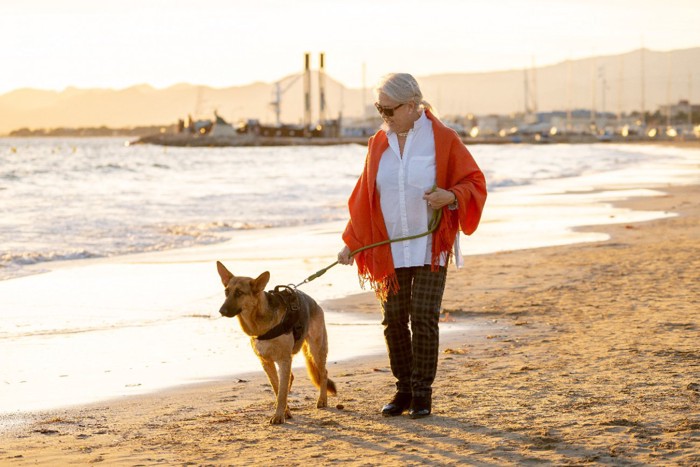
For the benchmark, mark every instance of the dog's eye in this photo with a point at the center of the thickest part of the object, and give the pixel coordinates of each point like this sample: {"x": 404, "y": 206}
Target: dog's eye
{"x": 238, "y": 293}
{"x": 226, "y": 292}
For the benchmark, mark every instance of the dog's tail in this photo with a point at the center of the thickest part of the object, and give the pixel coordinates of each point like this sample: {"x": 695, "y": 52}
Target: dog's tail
{"x": 331, "y": 387}
{"x": 315, "y": 373}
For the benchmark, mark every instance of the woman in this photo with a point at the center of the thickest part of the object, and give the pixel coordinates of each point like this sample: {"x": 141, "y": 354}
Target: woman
{"x": 415, "y": 165}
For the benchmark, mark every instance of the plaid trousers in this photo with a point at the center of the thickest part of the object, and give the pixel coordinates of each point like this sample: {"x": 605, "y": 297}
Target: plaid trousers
{"x": 413, "y": 352}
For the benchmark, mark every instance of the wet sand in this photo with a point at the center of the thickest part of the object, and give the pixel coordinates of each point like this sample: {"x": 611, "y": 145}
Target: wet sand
{"x": 575, "y": 354}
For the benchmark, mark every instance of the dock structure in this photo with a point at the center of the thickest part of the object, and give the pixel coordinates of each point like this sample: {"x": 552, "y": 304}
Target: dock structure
{"x": 185, "y": 140}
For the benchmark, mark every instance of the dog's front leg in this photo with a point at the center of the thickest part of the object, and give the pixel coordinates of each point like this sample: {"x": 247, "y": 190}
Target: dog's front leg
{"x": 271, "y": 372}
{"x": 282, "y": 411}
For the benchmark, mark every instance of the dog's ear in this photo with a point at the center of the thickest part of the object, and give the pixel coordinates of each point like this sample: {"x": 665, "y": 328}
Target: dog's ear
{"x": 224, "y": 273}
{"x": 258, "y": 285}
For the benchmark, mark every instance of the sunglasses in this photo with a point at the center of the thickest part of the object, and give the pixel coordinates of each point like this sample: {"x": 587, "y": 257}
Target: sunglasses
{"x": 386, "y": 111}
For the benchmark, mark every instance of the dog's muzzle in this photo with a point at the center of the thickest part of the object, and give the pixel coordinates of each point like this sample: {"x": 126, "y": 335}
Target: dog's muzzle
{"x": 227, "y": 312}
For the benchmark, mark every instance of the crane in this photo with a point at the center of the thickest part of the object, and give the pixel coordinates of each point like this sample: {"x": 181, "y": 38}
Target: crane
{"x": 279, "y": 90}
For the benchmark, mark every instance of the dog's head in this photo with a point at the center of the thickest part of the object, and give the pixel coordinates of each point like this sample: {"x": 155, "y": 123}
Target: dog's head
{"x": 242, "y": 293}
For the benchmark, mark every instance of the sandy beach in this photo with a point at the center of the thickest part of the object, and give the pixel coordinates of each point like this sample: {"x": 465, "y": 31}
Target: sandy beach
{"x": 575, "y": 354}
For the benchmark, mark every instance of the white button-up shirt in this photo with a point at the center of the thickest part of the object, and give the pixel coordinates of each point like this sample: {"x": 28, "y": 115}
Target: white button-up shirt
{"x": 402, "y": 182}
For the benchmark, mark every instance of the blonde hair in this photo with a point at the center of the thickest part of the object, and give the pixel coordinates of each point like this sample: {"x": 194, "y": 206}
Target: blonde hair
{"x": 403, "y": 88}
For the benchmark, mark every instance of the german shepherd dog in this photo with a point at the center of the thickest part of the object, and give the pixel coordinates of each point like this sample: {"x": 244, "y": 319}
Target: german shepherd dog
{"x": 258, "y": 313}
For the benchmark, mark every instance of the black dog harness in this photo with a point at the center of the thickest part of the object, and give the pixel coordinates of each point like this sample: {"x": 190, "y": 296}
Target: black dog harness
{"x": 291, "y": 322}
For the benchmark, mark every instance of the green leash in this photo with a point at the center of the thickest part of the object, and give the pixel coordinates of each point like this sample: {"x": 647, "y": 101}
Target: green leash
{"x": 432, "y": 226}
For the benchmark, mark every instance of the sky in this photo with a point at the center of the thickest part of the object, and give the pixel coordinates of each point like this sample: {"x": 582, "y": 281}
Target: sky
{"x": 54, "y": 44}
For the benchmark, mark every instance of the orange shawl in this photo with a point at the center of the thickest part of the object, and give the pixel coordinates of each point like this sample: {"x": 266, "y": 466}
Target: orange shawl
{"x": 455, "y": 169}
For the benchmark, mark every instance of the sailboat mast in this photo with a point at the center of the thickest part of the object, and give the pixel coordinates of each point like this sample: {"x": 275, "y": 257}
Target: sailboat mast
{"x": 594, "y": 127}
{"x": 668, "y": 93}
{"x": 569, "y": 96}
{"x": 643, "y": 110}
{"x": 322, "y": 89}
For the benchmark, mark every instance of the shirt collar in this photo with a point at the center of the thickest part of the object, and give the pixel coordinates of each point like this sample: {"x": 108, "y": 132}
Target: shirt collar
{"x": 421, "y": 122}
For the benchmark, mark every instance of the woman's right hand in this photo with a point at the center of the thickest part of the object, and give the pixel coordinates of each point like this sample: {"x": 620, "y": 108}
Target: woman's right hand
{"x": 344, "y": 256}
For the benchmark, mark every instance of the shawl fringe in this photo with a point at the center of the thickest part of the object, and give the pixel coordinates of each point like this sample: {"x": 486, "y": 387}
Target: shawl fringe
{"x": 443, "y": 238}
{"x": 382, "y": 287}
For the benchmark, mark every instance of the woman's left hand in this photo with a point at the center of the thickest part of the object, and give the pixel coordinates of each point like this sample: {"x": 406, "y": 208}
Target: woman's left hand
{"x": 439, "y": 198}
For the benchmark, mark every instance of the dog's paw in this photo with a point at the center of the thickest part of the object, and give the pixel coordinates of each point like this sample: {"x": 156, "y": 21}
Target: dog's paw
{"x": 277, "y": 419}
{"x": 321, "y": 404}
{"x": 287, "y": 413}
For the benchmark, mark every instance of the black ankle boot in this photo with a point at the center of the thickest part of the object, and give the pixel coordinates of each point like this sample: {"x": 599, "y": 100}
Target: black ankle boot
{"x": 420, "y": 407}
{"x": 398, "y": 405}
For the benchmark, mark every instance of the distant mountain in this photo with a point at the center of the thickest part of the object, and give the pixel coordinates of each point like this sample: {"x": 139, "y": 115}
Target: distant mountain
{"x": 611, "y": 82}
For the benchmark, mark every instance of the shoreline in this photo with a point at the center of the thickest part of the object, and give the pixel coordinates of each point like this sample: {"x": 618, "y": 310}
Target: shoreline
{"x": 183, "y": 140}
{"x": 575, "y": 354}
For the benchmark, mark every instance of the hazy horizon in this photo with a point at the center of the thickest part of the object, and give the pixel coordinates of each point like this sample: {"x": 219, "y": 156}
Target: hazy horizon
{"x": 285, "y": 76}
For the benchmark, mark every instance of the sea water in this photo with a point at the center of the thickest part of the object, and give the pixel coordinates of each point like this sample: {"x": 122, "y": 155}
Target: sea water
{"x": 64, "y": 198}
{"x": 107, "y": 249}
